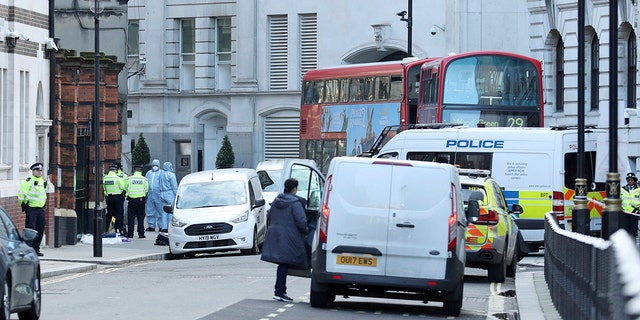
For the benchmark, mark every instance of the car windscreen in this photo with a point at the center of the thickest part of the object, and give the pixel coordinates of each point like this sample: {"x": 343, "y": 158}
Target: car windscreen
{"x": 211, "y": 194}
{"x": 467, "y": 190}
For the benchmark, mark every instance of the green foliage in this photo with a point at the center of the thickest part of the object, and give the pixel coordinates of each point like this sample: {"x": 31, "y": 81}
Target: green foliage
{"x": 140, "y": 154}
{"x": 225, "y": 158}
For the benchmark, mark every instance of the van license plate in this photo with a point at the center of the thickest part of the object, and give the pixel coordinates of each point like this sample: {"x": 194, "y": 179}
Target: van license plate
{"x": 357, "y": 261}
{"x": 209, "y": 237}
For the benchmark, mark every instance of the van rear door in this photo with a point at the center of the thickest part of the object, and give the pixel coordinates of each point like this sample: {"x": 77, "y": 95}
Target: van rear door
{"x": 358, "y": 204}
{"x": 420, "y": 207}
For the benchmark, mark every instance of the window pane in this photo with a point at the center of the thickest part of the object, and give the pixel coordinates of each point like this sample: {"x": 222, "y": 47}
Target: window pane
{"x": 133, "y": 36}
{"x": 224, "y": 34}
{"x": 188, "y": 36}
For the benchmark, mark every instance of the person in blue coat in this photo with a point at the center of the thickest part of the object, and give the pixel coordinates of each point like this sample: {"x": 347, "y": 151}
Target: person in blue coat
{"x": 284, "y": 244}
{"x": 168, "y": 190}
{"x": 153, "y": 206}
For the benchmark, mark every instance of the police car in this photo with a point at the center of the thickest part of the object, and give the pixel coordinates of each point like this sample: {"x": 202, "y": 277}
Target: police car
{"x": 492, "y": 236}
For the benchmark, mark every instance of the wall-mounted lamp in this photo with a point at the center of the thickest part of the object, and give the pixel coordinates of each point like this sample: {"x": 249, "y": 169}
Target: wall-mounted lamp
{"x": 435, "y": 27}
{"x": 12, "y": 38}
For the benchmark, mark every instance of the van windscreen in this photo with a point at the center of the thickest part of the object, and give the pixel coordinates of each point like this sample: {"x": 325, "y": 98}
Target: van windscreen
{"x": 211, "y": 194}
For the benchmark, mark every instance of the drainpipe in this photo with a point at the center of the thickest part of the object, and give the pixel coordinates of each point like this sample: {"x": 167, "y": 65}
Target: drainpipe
{"x": 53, "y": 162}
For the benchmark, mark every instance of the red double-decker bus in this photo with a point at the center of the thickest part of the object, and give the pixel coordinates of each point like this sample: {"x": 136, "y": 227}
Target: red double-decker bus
{"x": 490, "y": 88}
{"x": 345, "y": 108}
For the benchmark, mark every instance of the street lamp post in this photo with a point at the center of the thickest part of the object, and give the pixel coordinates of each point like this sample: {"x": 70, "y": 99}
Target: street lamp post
{"x": 612, "y": 215}
{"x": 97, "y": 212}
{"x": 409, "y": 21}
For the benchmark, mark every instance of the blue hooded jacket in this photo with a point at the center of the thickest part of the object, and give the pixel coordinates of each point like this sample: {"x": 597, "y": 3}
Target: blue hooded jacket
{"x": 168, "y": 184}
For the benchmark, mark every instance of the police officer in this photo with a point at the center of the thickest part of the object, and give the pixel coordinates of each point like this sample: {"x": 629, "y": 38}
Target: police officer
{"x": 123, "y": 176}
{"x": 114, "y": 187}
{"x": 32, "y": 197}
{"x": 137, "y": 187}
{"x": 630, "y": 196}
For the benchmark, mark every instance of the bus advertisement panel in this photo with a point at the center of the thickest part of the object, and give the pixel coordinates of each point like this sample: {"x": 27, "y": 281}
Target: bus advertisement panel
{"x": 362, "y": 123}
{"x": 344, "y": 108}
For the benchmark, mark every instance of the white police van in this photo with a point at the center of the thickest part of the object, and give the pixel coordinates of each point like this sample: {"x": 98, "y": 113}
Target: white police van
{"x": 390, "y": 229}
{"x": 537, "y": 167}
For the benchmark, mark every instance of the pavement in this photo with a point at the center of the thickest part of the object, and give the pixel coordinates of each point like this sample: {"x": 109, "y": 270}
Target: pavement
{"x": 534, "y": 300}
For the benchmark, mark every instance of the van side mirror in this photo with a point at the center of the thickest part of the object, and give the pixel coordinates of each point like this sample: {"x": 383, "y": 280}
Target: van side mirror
{"x": 516, "y": 209}
{"x": 473, "y": 207}
{"x": 259, "y": 203}
{"x": 168, "y": 208}
{"x": 473, "y": 210}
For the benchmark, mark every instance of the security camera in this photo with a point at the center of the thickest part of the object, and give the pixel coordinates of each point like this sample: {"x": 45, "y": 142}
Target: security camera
{"x": 51, "y": 44}
{"x": 402, "y": 13}
{"x": 434, "y": 29}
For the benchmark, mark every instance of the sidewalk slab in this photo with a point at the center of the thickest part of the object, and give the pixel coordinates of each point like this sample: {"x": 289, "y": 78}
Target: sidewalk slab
{"x": 80, "y": 257}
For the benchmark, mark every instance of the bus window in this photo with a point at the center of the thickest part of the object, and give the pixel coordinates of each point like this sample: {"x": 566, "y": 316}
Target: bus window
{"x": 396, "y": 88}
{"x": 318, "y": 93}
{"x": 413, "y": 83}
{"x": 382, "y": 88}
{"x": 356, "y": 87}
{"x": 369, "y": 88}
{"x": 307, "y": 90}
{"x": 331, "y": 91}
{"x": 344, "y": 90}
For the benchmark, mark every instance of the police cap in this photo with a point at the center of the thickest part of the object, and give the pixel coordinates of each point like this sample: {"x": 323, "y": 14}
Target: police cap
{"x": 113, "y": 166}
{"x": 632, "y": 175}
{"x": 137, "y": 168}
{"x": 37, "y": 166}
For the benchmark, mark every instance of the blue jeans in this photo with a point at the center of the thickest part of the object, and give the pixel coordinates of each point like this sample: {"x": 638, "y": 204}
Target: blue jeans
{"x": 281, "y": 279}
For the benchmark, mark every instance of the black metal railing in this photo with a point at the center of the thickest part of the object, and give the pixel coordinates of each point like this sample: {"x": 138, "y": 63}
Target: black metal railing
{"x": 592, "y": 278}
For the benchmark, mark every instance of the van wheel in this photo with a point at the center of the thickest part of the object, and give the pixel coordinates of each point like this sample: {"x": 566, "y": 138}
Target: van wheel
{"x": 453, "y": 303}
{"x": 497, "y": 272}
{"x": 255, "y": 249}
{"x": 320, "y": 296}
{"x": 174, "y": 256}
{"x": 513, "y": 266}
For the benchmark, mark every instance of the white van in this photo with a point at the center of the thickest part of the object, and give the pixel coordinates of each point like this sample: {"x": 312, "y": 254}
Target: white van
{"x": 273, "y": 173}
{"x": 218, "y": 210}
{"x": 537, "y": 167}
{"x": 390, "y": 229}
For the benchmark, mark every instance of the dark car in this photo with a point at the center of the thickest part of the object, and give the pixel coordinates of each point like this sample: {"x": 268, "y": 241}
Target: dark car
{"x": 20, "y": 271}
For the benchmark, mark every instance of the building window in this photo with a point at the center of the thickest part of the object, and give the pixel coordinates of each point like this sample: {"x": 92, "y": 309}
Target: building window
{"x": 559, "y": 75}
{"x": 223, "y": 53}
{"x": 187, "y": 55}
{"x": 278, "y": 52}
{"x": 133, "y": 58}
{"x": 24, "y": 116}
{"x": 5, "y": 123}
{"x": 308, "y": 43}
{"x": 632, "y": 69}
{"x": 595, "y": 73}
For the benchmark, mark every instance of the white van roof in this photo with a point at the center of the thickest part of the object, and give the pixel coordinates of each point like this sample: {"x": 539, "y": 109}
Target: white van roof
{"x": 525, "y": 138}
{"x": 219, "y": 174}
{"x": 279, "y": 163}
